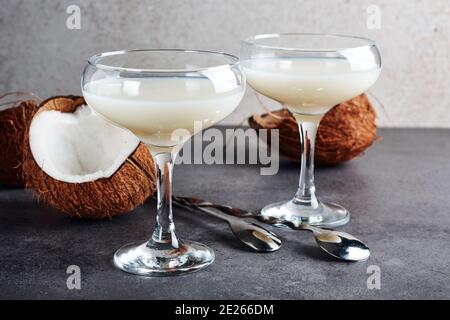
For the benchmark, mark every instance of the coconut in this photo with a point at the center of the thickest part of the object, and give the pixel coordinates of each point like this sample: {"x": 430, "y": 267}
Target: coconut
{"x": 344, "y": 133}
{"x": 15, "y": 117}
{"x": 80, "y": 164}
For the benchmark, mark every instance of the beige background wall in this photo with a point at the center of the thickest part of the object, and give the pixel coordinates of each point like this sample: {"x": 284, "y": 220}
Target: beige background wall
{"x": 38, "y": 53}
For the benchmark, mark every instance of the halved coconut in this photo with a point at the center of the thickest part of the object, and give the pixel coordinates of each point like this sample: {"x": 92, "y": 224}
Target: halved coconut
{"x": 15, "y": 117}
{"x": 344, "y": 132}
{"x": 83, "y": 165}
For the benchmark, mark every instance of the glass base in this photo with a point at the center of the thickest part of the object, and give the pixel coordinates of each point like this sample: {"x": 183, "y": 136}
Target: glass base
{"x": 326, "y": 214}
{"x": 158, "y": 259}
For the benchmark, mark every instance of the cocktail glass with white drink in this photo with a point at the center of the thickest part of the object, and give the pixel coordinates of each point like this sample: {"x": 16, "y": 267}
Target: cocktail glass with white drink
{"x": 163, "y": 96}
{"x": 309, "y": 74}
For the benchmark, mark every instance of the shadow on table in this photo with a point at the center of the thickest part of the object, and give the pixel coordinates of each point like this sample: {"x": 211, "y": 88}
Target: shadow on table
{"x": 314, "y": 252}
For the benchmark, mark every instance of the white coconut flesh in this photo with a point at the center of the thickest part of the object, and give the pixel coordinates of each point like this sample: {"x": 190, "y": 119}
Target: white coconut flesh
{"x": 80, "y": 146}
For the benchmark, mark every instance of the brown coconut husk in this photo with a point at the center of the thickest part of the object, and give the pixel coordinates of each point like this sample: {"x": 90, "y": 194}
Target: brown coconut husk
{"x": 344, "y": 132}
{"x": 15, "y": 119}
{"x": 128, "y": 188}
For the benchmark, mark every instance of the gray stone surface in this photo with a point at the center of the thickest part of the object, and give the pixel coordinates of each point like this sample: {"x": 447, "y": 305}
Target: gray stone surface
{"x": 398, "y": 193}
{"x": 38, "y": 53}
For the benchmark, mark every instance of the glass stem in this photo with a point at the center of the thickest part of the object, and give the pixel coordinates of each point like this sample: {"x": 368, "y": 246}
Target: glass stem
{"x": 306, "y": 193}
{"x": 164, "y": 232}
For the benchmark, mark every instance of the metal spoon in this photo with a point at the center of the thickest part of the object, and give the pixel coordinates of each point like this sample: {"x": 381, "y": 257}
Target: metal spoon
{"x": 251, "y": 234}
{"x": 339, "y": 244}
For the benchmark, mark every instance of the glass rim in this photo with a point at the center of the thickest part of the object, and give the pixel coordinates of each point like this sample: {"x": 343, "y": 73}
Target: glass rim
{"x": 253, "y": 40}
{"x": 95, "y": 59}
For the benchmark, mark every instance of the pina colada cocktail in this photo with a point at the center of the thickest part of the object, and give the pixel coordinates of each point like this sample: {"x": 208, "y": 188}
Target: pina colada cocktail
{"x": 154, "y": 108}
{"x": 309, "y": 74}
{"x": 160, "y": 95}
{"x": 309, "y": 86}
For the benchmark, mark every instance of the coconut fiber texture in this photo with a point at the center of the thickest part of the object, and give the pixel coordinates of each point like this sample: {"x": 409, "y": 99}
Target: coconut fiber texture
{"x": 345, "y": 131}
{"x": 14, "y": 122}
{"x": 126, "y": 189}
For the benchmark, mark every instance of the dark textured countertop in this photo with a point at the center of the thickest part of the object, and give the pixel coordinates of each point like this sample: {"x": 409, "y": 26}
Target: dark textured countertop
{"x": 398, "y": 194}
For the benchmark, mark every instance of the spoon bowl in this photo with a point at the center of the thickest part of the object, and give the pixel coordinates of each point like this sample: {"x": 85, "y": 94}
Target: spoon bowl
{"x": 255, "y": 237}
{"x": 249, "y": 233}
{"x": 340, "y": 245}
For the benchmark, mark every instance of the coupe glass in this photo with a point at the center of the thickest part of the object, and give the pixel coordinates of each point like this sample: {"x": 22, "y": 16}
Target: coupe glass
{"x": 164, "y": 96}
{"x": 309, "y": 74}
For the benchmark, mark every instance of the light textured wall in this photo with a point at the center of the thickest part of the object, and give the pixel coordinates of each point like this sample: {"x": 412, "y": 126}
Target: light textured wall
{"x": 38, "y": 53}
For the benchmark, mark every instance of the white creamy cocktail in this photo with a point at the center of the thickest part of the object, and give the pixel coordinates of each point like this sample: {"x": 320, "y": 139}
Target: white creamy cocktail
{"x": 309, "y": 74}
{"x": 308, "y": 85}
{"x": 154, "y": 108}
{"x": 155, "y": 94}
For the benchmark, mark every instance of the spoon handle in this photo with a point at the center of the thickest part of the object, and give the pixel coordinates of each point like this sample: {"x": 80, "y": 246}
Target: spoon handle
{"x": 330, "y": 232}
{"x": 239, "y": 213}
{"x": 207, "y": 209}
{"x": 219, "y": 211}
{"x": 252, "y": 235}
{"x": 197, "y": 203}
{"x": 231, "y": 211}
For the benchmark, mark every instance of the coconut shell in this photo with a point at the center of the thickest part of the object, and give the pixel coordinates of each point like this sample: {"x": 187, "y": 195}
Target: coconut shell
{"x": 14, "y": 123}
{"x": 128, "y": 188}
{"x": 344, "y": 133}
